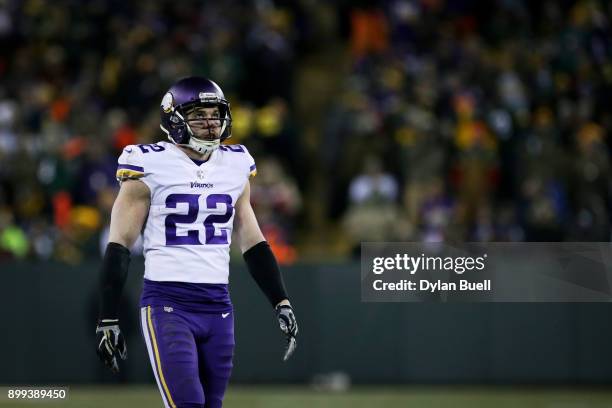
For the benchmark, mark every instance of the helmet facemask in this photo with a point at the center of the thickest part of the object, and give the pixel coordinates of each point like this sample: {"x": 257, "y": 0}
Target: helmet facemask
{"x": 205, "y": 124}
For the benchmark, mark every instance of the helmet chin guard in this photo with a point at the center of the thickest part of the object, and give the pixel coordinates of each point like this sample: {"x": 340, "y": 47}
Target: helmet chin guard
{"x": 202, "y": 146}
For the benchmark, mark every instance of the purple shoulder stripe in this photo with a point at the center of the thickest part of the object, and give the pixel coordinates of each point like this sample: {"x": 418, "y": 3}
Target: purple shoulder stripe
{"x": 130, "y": 167}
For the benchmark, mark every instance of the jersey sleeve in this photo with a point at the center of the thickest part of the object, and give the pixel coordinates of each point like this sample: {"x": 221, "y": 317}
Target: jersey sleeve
{"x": 130, "y": 164}
{"x": 252, "y": 168}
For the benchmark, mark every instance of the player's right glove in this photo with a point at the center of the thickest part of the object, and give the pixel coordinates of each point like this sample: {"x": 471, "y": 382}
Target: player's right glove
{"x": 111, "y": 343}
{"x": 288, "y": 325}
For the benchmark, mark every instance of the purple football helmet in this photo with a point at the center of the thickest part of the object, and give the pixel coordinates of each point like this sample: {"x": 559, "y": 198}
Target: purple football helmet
{"x": 181, "y": 98}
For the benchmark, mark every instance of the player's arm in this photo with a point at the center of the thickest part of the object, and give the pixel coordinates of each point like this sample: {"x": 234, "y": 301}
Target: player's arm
{"x": 257, "y": 253}
{"x": 127, "y": 218}
{"x": 263, "y": 267}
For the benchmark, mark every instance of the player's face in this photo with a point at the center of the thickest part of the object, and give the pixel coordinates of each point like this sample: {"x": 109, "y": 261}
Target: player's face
{"x": 205, "y": 123}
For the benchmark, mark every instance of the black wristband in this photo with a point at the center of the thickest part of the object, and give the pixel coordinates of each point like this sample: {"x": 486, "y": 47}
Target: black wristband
{"x": 264, "y": 269}
{"x": 112, "y": 278}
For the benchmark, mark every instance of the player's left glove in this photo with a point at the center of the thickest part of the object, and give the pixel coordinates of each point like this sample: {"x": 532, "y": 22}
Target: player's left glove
{"x": 111, "y": 343}
{"x": 288, "y": 325}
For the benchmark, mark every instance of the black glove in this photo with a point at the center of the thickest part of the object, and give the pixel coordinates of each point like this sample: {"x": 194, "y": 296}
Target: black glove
{"x": 111, "y": 343}
{"x": 288, "y": 325}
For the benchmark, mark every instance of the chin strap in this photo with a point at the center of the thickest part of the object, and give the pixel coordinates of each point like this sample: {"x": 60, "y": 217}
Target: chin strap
{"x": 203, "y": 146}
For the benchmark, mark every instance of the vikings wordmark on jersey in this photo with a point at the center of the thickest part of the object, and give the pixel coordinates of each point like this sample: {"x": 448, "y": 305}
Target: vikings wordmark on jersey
{"x": 189, "y": 228}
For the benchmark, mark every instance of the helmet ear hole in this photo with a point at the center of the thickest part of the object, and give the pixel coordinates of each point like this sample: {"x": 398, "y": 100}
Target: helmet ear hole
{"x": 174, "y": 119}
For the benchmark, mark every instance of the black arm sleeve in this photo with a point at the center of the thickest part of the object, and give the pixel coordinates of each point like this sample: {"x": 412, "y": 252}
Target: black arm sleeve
{"x": 263, "y": 267}
{"x": 112, "y": 278}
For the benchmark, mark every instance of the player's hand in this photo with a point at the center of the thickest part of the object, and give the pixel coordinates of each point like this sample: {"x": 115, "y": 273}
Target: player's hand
{"x": 111, "y": 343}
{"x": 288, "y": 325}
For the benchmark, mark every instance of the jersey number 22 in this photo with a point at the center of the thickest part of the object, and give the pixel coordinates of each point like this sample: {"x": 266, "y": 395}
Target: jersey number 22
{"x": 193, "y": 236}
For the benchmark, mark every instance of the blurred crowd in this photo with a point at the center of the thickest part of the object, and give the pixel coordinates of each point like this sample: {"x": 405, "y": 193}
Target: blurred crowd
{"x": 456, "y": 120}
{"x": 81, "y": 80}
{"x": 475, "y": 121}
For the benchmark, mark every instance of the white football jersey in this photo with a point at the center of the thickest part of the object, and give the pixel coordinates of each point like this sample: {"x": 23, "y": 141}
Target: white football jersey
{"x": 188, "y": 231}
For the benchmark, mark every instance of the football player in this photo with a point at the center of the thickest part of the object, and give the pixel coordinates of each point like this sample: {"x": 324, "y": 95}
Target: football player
{"x": 186, "y": 196}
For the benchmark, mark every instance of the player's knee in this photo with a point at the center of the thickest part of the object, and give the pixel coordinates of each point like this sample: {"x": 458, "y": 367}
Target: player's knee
{"x": 213, "y": 402}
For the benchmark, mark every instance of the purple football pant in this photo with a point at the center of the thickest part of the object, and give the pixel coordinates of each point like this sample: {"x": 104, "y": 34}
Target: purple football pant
{"x": 191, "y": 354}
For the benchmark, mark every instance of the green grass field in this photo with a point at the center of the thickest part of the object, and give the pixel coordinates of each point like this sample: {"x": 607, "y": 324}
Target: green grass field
{"x": 359, "y": 397}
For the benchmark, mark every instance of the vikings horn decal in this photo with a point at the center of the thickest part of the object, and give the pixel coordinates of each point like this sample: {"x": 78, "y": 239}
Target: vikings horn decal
{"x": 167, "y": 102}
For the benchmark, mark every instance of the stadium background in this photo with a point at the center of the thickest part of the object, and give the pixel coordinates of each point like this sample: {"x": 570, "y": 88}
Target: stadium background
{"x": 394, "y": 120}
